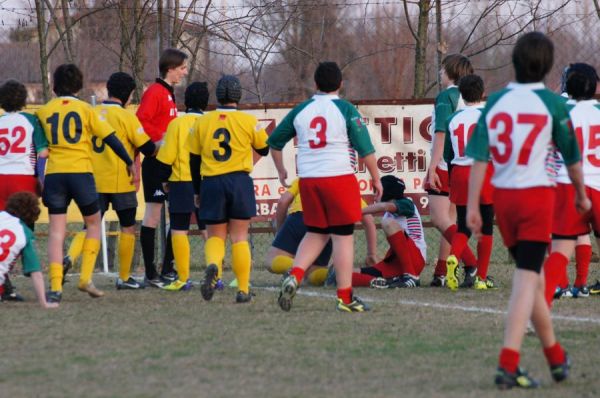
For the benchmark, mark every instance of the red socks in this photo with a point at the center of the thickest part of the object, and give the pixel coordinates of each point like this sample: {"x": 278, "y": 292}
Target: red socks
{"x": 554, "y": 267}
{"x": 509, "y": 360}
{"x": 345, "y": 294}
{"x": 399, "y": 245}
{"x": 361, "y": 280}
{"x": 298, "y": 273}
{"x": 467, "y": 255}
{"x": 583, "y": 256}
{"x": 440, "y": 268}
{"x": 459, "y": 242}
{"x": 555, "y": 355}
{"x": 484, "y": 253}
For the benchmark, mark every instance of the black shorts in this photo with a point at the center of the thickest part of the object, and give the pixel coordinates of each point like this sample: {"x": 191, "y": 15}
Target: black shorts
{"x": 291, "y": 233}
{"x": 61, "y": 188}
{"x": 227, "y": 196}
{"x": 181, "y": 197}
{"x": 119, "y": 201}
{"x": 153, "y": 190}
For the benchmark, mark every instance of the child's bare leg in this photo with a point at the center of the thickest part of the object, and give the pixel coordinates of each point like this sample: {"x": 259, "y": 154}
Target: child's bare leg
{"x": 343, "y": 259}
{"x": 525, "y": 286}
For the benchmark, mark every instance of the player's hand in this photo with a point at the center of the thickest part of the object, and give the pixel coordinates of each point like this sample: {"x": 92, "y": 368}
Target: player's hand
{"x": 132, "y": 172}
{"x": 378, "y": 190}
{"x": 165, "y": 186}
{"x": 434, "y": 179}
{"x": 197, "y": 200}
{"x": 282, "y": 177}
{"x": 371, "y": 260}
{"x": 583, "y": 205}
{"x": 474, "y": 222}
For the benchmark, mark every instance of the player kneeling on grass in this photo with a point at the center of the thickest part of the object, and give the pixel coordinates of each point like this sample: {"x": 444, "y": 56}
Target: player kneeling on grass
{"x": 459, "y": 128}
{"x": 220, "y": 145}
{"x": 517, "y": 127}
{"x": 174, "y": 160}
{"x": 290, "y": 231}
{"x": 326, "y": 127}
{"x": 568, "y": 225}
{"x": 403, "y": 229}
{"x": 69, "y": 125}
{"x": 22, "y": 209}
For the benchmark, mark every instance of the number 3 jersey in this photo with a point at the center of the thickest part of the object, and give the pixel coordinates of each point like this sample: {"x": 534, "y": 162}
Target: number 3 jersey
{"x": 224, "y": 138}
{"x": 518, "y": 127}
{"x": 16, "y": 239}
{"x": 69, "y": 125}
{"x": 21, "y": 137}
{"x": 326, "y": 127}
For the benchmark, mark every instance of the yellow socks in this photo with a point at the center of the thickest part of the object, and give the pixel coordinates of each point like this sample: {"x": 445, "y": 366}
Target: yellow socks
{"x": 55, "y": 271}
{"x": 318, "y": 276}
{"x": 181, "y": 252}
{"x": 281, "y": 264}
{"x": 214, "y": 252}
{"x": 76, "y": 246}
{"x": 241, "y": 264}
{"x": 88, "y": 260}
{"x": 126, "y": 249}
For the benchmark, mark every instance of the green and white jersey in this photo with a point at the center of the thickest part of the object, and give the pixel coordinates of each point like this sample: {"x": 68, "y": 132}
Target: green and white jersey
{"x": 518, "y": 127}
{"x": 408, "y": 218}
{"x": 327, "y": 129}
{"x": 459, "y": 129}
{"x": 16, "y": 239}
{"x": 447, "y": 102}
{"x": 21, "y": 137}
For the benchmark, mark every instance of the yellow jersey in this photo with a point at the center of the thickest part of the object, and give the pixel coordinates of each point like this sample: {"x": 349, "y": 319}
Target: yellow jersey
{"x": 224, "y": 139}
{"x": 110, "y": 172}
{"x": 69, "y": 124}
{"x": 296, "y": 204}
{"x": 174, "y": 150}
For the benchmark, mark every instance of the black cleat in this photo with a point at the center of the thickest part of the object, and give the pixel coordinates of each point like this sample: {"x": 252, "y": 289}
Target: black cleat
{"x": 505, "y": 380}
{"x": 438, "y": 281}
{"x": 470, "y": 275}
{"x": 67, "y": 265}
{"x": 53, "y": 296}
{"x": 12, "y": 296}
{"x": 169, "y": 277}
{"x": 595, "y": 288}
{"x": 561, "y": 372}
{"x": 404, "y": 281}
{"x": 129, "y": 284}
{"x": 207, "y": 288}
{"x": 242, "y": 297}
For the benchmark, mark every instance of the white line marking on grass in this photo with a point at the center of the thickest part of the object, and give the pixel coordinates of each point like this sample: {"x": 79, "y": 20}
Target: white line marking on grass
{"x": 439, "y": 306}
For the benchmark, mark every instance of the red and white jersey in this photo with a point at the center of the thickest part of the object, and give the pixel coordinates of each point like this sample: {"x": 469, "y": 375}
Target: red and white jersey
{"x": 17, "y": 153}
{"x": 413, "y": 228}
{"x": 460, "y": 128}
{"x": 585, "y": 116}
{"x": 12, "y": 241}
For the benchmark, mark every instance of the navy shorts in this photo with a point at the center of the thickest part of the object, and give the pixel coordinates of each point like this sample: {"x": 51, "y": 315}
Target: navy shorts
{"x": 61, "y": 188}
{"x": 181, "y": 197}
{"x": 291, "y": 233}
{"x": 119, "y": 201}
{"x": 153, "y": 190}
{"x": 227, "y": 196}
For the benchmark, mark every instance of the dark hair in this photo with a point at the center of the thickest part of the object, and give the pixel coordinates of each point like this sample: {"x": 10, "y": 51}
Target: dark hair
{"x": 196, "y": 96}
{"x": 68, "y": 80}
{"x": 13, "y": 96}
{"x": 170, "y": 58}
{"x": 532, "y": 57}
{"x": 120, "y": 85}
{"x": 25, "y": 206}
{"x": 328, "y": 77}
{"x": 581, "y": 81}
{"x": 457, "y": 66}
{"x": 471, "y": 88}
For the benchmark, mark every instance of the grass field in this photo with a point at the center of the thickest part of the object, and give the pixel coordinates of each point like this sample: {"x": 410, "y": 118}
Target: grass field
{"x": 423, "y": 342}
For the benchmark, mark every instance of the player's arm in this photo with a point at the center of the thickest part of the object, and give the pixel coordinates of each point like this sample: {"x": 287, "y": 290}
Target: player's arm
{"x": 478, "y": 148}
{"x": 167, "y": 154}
{"x": 32, "y": 268}
{"x": 259, "y": 141}
{"x": 443, "y": 110}
{"x": 378, "y": 208}
{"x": 283, "y": 204}
{"x": 368, "y": 223}
{"x": 448, "y": 150}
{"x": 281, "y": 171}
{"x": 284, "y": 132}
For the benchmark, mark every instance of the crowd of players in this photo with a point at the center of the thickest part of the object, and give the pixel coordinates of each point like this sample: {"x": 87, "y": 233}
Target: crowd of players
{"x": 525, "y": 154}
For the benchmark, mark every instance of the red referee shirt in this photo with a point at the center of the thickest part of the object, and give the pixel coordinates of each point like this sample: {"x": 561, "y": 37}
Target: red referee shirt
{"x": 157, "y": 109}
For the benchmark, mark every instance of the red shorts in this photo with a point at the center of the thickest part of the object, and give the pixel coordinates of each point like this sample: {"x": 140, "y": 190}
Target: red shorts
{"x": 391, "y": 265}
{"x": 444, "y": 189}
{"x": 11, "y": 183}
{"x": 330, "y": 201}
{"x": 524, "y": 214}
{"x": 567, "y": 221}
{"x": 459, "y": 185}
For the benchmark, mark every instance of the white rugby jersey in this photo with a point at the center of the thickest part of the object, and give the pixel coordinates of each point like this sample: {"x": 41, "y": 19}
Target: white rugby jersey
{"x": 327, "y": 127}
{"x": 459, "y": 129}
{"x": 447, "y": 102}
{"x": 517, "y": 127}
{"x": 413, "y": 227}
{"x": 12, "y": 241}
{"x": 17, "y": 145}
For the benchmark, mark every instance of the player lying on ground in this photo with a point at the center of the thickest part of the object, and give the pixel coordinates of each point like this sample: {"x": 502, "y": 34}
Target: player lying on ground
{"x": 290, "y": 231}
{"x": 517, "y": 127}
{"x": 459, "y": 128}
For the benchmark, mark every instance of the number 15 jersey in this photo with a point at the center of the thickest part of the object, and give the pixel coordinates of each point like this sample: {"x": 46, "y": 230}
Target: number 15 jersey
{"x": 69, "y": 124}
{"x": 517, "y": 127}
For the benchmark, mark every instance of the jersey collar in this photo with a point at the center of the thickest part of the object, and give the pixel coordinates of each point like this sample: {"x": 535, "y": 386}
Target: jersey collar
{"x": 530, "y": 86}
{"x": 226, "y": 108}
{"x": 107, "y": 102}
{"x": 320, "y": 94}
{"x": 588, "y": 102}
{"x": 167, "y": 86}
{"x": 191, "y": 110}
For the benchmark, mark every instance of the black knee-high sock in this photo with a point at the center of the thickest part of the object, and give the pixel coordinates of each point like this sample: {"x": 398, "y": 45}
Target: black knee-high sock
{"x": 168, "y": 258}
{"x": 147, "y": 235}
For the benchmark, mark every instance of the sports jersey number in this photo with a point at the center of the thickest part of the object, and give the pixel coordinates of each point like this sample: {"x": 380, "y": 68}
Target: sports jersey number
{"x": 321, "y": 123}
{"x": 98, "y": 148}
{"x": 593, "y": 143}
{"x": 66, "y": 127}
{"x": 7, "y": 239}
{"x": 224, "y": 137}
{"x": 537, "y": 121}
{"x": 15, "y": 147}
{"x": 460, "y": 135}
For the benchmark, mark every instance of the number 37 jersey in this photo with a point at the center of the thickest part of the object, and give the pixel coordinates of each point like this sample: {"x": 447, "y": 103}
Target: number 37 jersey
{"x": 518, "y": 127}
{"x": 69, "y": 125}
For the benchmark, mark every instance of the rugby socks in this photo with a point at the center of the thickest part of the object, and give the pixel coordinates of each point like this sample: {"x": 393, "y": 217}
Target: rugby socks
{"x": 181, "y": 251}
{"x": 147, "y": 236}
{"x": 318, "y": 276}
{"x": 126, "y": 249}
{"x": 345, "y": 294}
{"x": 440, "y": 268}
{"x": 76, "y": 246}
{"x": 298, "y": 273}
{"x": 459, "y": 242}
{"x": 281, "y": 264}
{"x": 168, "y": 256}
{"x": 466, "y": 256}
{"x": 509, "y": 360}
{"x": 484, "y": 253}
{"x": 241, "y": 263}
{"x": 583, "y": 257}
{"x": 399, "y": 245}
{"x": 554, "y": 267}
{"x": 214, "y": 252}
{"x": 88, "y": 260}
{"x": 555, "y": 355}
{"x": 362, "y": 280}
{"x": 55, "y": 272}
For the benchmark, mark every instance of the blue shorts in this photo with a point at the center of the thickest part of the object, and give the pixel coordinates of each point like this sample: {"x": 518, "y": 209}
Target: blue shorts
{"x": 61, "y": 188}
{"x": 227, "y": 196}
{"x": 291, "y": 233}
{"x": 119, "y": 201}
{"x": 181, "y": 197}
